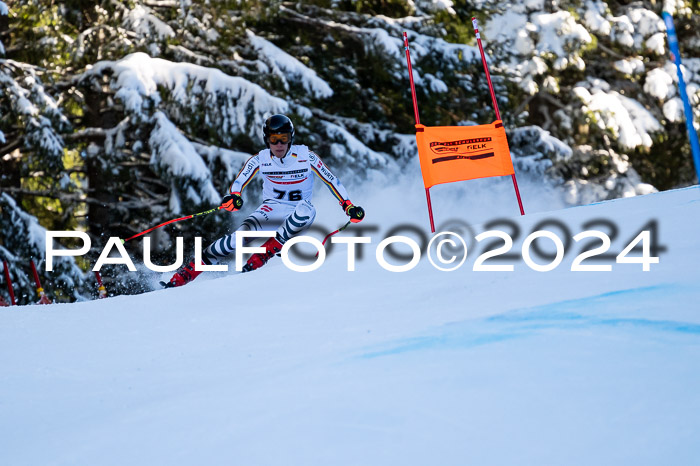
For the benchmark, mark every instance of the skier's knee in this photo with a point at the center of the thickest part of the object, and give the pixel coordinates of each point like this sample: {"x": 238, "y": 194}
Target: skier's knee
{"x": 305, "y": 210}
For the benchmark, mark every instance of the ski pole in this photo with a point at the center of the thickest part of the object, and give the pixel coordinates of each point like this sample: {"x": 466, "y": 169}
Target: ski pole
{"x": 102, "y": 292}
{"x": 172, "y": 221}
{"x": 9, "y": 282}
{"x": 43, "y": 299}
{"x": 331, "y": 234}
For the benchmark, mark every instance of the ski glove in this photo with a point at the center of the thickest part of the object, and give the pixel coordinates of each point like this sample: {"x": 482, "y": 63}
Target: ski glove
{"x": 232, "y": 202}
{"x": 356, "y": 213}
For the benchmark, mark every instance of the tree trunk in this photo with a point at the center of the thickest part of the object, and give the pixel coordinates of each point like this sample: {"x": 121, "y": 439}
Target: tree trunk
{"x": 98, "y": 180}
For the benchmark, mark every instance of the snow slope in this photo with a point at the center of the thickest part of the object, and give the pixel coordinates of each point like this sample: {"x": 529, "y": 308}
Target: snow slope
{"x": 373, "y": 367}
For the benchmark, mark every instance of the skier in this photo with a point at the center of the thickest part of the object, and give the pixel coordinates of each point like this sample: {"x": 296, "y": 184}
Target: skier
{"x": 288, "y": 173}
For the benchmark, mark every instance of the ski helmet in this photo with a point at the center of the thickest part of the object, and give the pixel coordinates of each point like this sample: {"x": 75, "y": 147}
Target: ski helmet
{"x": 277, "y": 124}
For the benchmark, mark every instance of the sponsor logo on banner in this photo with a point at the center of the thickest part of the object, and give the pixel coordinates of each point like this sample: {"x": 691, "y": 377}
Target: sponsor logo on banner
{"x": 462, "y": 149}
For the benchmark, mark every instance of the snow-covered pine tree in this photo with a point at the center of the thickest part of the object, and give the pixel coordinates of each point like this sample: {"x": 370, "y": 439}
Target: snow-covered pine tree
{"x": 596, "y": 75}
{"x": 22, "y": 240}
{"x": 3, "y": 24}
{"x": 33, "y": 172}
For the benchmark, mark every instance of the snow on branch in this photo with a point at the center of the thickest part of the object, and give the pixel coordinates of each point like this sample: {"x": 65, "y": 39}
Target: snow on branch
{"x": 36, "y": 109}
{"x": 386, "y": 40}
{"x": 638, "y": 28}
{"x": 174, "y": 158}
{"x": 630, "y": 123}
{"x": 558, "y": 35}
{"x": 32, "y": 233}
{"x": 215, "y": 156}
{"x": 22, "y": 238}
{"x": 284, "y": 65}
{"x": 524, "y": 39}
{"x": 4, "y": 11}
{"x": 232, "y": 105}
{"x": 432, "y": 6}
{"x": 452, "y": 55}
{"x": 352, "y": 151}
{"x": 142, "y": 21}
{"x": 662, "y": 84}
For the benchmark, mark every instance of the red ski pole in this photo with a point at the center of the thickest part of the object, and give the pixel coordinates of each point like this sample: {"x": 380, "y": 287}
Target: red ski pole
{"x": 9, "y": 282}
{"x": 187, "y": 217}
{"x": 331, "y": 234}
{"x": 43, "y": 299}
{"x": 102, "y": 292}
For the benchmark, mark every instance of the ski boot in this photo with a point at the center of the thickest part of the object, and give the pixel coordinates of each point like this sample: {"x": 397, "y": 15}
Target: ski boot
{"x": 183, "y": 276}
{"x": 272, "y": 247}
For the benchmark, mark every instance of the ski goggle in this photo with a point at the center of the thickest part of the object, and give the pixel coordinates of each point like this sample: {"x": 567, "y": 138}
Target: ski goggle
{"x": 284, "y": 138}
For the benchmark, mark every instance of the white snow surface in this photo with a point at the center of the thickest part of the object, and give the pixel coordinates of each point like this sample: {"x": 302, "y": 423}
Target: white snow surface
{"x": 373, "y": 367}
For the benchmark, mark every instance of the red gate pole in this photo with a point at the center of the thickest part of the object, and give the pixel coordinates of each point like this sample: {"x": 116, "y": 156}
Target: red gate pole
{"x": 102, "y": 292}
{"x": 9, "y": 282}
{"x": 415, "y": 111}
{"x": 495, "y": 104}
{"x": 43, "y": 299}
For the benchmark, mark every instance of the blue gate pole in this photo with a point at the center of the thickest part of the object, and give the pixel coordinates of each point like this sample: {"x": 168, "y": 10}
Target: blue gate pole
{"x": 676, "y": 56}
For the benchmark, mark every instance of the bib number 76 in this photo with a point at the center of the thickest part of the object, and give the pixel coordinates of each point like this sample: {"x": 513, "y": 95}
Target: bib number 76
{"x": 291, "y": 195}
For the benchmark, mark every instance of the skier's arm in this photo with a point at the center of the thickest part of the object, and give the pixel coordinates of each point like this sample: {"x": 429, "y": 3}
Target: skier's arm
{"x": 233, "y": 200}
{"x": 247, "y": 172}
{"x": 356, "y": 213}
{"x": 329, "y": 179}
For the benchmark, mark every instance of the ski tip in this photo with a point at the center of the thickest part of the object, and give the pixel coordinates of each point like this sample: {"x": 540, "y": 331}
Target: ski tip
{"x": 166, "y": 285}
